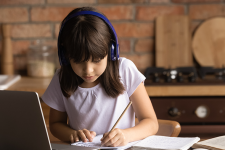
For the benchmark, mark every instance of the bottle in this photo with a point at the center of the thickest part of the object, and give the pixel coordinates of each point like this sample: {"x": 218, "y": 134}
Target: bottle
{"x": 40, "y": 60}
{"x": 7, "y": 55}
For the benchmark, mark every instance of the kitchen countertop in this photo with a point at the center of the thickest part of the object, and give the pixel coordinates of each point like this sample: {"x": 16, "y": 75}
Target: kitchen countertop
{"x": 39, "y": 85}
{"x": 183, "y": 90}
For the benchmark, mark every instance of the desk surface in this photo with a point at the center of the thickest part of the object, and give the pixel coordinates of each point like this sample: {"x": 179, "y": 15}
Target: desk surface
{"x": 59, "y": 142}
{"x": 39, "y": 85}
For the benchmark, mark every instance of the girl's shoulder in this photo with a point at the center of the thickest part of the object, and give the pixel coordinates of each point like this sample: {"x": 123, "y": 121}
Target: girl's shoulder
{"x": 124, "y": 61}
{"x": 125, "y": 64}
{"x": 127, "y": 68}
{"x": 130, "y": 76}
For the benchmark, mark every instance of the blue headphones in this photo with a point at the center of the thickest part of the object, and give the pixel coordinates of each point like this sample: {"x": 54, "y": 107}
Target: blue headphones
{"x": 114, "y": 48}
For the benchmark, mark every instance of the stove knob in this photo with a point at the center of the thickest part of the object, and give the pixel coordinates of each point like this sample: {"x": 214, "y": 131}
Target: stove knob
{"x": 191, "y": 77}
{"x": 173, "y": 112}
{"x": 156, "y": 77}
{"x": 168, "y": 77}
{"x": 180, "y": 77}
{"x": 202, "y": 111}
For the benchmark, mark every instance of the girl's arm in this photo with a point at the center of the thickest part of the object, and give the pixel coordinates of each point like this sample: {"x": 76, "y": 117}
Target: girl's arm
{"x": 60, "y": 129}
{"x": 148, "y": 124}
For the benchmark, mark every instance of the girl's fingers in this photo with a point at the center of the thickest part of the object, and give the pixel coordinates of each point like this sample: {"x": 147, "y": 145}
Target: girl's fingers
{"x": 113, "y": 142}
{"x": 104, "y": 135}
{"x": 93, "y": 134}
{"x": 109, "y": 138}
{"x": 82, "y": 135}
{"x": 74, "y": 137}
{"x": 116, "y": 143}
{"x": 88, "y": 135}
{"x": 71, "y": 138}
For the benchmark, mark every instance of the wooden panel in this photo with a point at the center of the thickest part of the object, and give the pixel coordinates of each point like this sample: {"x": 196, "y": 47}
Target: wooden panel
{"x": 209, "y": 43}
{"x": 173, "y": 42}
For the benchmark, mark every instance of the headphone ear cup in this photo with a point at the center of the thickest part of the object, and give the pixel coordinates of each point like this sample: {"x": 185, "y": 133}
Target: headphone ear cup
{"x": 112, "y": 49}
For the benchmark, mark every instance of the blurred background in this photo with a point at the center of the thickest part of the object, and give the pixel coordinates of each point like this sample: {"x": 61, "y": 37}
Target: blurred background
{"x": 179, "y": 45}
{"x": 133, "y": 20}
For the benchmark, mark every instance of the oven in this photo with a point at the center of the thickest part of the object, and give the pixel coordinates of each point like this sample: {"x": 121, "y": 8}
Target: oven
{"x": 195, "y": 99}
{"x": 198, "y": 115}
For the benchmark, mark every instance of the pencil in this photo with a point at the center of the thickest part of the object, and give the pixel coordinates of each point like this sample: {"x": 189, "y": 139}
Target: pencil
{"x": 119, "y": 118}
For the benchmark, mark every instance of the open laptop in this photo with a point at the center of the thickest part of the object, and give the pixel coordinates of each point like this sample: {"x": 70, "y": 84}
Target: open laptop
{"x": 22, "y": 124}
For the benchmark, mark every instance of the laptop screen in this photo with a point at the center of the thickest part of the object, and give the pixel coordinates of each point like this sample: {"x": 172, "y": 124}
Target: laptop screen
{"x": 22, "y": 123}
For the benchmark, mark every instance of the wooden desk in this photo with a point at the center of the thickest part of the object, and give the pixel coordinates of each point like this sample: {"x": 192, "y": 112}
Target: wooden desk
{"x": 38, "y": 85}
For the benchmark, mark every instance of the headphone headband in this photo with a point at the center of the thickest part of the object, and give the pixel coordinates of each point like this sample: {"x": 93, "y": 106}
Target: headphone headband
{"x": 62, "y": 58}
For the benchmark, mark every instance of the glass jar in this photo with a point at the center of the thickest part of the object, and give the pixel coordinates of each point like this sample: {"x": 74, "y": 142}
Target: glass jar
{"x": 40, "y": 61}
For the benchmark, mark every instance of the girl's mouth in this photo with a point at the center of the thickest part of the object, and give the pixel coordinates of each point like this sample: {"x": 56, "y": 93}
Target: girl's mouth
{"x": 88, "y": 77}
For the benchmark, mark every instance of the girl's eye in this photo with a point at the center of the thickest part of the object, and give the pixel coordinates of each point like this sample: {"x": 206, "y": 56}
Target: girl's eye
{"x": 97, "y": 61}
{"x": 76, "y": 62}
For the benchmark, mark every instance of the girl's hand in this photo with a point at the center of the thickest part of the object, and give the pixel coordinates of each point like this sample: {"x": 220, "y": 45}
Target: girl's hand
{"x": 83, "y": 135}
{"x": 116, "y": 138}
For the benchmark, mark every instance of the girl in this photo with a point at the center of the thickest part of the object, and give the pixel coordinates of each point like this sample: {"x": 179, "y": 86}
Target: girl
{"x": 93, "y": 85}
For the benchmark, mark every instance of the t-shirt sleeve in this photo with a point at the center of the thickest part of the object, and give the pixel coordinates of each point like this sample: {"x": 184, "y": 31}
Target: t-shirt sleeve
{"x": 130, "y": 75}
{"x": 53, "y": 96}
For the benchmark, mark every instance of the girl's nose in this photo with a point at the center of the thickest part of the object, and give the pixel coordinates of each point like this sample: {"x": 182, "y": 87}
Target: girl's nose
{"x": 88, "y": 68}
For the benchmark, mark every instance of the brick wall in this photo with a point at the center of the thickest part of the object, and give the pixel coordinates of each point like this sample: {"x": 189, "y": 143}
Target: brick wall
{"x": 133, "y": 21}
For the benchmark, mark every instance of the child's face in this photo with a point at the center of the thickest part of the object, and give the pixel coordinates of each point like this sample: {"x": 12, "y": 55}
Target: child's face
{"x": 89, "y": 71}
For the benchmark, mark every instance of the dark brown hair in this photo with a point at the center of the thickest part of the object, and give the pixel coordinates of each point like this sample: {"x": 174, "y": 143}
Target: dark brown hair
{"x": 88, "y": 36}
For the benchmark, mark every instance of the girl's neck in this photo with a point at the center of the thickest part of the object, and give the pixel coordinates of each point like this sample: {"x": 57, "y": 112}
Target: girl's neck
{"x": 89, "y": 85}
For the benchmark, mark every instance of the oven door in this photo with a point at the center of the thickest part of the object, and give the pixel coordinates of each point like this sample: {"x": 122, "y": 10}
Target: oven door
{"x": 202, "y": 116}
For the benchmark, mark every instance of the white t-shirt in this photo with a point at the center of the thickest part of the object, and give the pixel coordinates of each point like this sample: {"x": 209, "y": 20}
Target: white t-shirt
{"x": 92, "y": 108}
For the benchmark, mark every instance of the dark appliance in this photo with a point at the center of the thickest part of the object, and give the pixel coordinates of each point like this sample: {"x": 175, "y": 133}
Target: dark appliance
{"x": 202, "y": 116}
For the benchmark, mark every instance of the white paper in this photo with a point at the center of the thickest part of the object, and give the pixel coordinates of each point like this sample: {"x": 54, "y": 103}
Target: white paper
{"x": 166, "y": 143}
{"x": 218, "y": 142}
{"x": 96, "y": 143}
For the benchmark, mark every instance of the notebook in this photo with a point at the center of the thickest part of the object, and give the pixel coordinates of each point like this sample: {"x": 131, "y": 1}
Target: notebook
{"x": 96, "y": 144}
{"x": 157, "y": 142}
{"x": 217, "y": 143}
{"x": 154, "y": 142}
{"x": 22, "y": 125}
